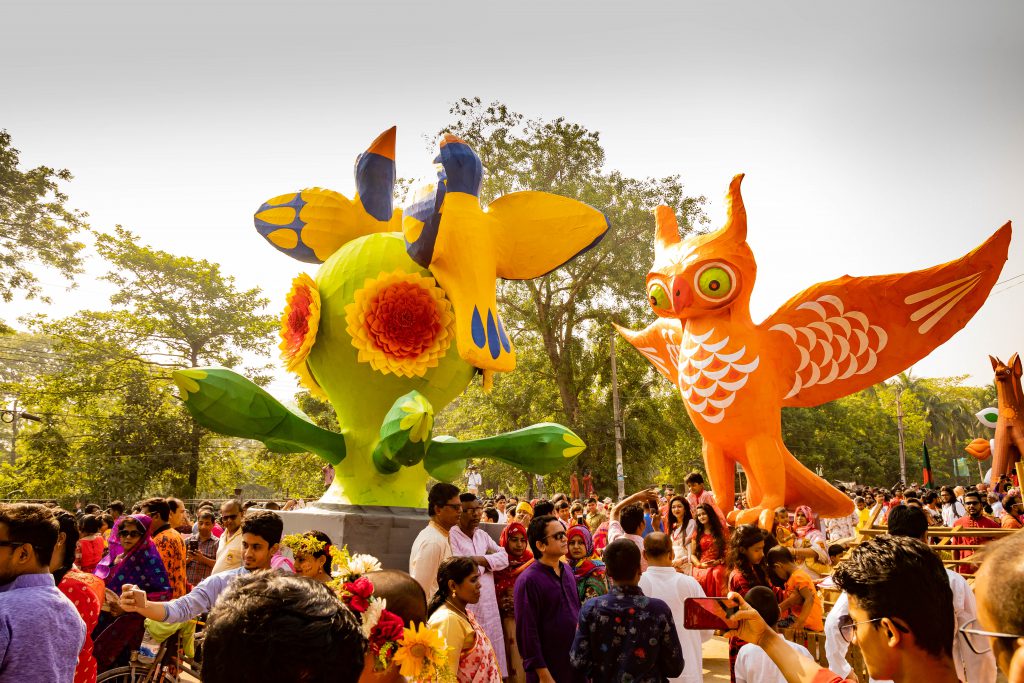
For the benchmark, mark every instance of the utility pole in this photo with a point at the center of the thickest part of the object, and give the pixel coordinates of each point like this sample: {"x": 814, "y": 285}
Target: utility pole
{"x": 620, "y": 478}
{"x": 899, "y": 424}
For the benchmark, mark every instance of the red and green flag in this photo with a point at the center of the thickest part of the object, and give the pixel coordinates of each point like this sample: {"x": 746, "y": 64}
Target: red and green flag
{"x": 926, "y": 473}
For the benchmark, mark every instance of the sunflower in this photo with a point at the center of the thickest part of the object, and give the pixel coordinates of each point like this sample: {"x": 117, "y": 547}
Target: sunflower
{"x": 422, "y": 653}
{"x": 401, "y": 323}
{"x": 299, "y": 324}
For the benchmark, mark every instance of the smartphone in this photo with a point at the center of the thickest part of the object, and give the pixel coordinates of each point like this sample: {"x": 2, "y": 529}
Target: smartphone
{"x": 192, "y": 545}
{"x": 581, "y": 520}
{"x": 701, "y": 614}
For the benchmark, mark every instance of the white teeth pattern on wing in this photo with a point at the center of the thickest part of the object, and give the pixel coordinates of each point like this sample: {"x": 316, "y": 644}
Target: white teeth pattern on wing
{"x": 698, "y": 398}
{"x": 849, "y": 343}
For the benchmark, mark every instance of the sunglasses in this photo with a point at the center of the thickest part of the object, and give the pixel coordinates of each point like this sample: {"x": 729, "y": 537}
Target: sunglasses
{"x": 560, "y": 536}
{"x": 225, "y": 518}
{"x": 128, "y": 533}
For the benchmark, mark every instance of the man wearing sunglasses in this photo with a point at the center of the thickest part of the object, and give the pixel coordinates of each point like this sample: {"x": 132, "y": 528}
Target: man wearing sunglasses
{"x": 547, "y": 605}
{"x": 901, "y": 617}
{"x": 974, "y": 519}
{"x": 40, "y": 630}
{"x": 229, "y": 547}
{"x": 431, "y": 546}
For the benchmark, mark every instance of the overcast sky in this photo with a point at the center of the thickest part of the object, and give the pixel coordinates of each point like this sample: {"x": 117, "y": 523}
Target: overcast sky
{"x": 876, "y": 136}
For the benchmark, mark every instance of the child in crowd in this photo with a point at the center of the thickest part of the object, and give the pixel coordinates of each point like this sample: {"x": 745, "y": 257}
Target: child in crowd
{"x": 752, "y": 663}
{"x": 781, "y": 530}
{"x": 90, "y": 544}
{"x": 802, "y": 605}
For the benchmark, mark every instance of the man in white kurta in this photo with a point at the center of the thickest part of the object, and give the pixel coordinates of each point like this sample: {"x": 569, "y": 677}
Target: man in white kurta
{"x": 467, "y": 539}
{"x": 431, "y": 545}
{"x": 661, "y": 580}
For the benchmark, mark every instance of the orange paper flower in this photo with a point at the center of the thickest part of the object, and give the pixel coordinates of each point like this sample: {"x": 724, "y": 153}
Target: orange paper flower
{"x": 299, "y": 324}
{"x": 401, "y": 323}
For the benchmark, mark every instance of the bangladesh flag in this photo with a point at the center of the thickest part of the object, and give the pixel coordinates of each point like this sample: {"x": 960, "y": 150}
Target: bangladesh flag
{"x": 926, "y": 474}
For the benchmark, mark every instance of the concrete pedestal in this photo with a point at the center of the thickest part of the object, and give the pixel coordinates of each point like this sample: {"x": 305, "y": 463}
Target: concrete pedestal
{"x": 387, "y": 533}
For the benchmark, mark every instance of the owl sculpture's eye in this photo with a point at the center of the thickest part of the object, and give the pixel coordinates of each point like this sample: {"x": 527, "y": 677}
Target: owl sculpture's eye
{"x": 715, "y": 282}
{"x": 658, "y": 297}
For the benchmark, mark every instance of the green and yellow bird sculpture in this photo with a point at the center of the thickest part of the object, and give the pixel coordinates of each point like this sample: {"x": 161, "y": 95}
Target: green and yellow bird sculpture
{"x": 399, "y": 318}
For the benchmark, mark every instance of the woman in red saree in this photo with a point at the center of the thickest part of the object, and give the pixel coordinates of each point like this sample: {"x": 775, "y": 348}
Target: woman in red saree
{"x": 513, "y": 540}
{"x": 707, "y": 550}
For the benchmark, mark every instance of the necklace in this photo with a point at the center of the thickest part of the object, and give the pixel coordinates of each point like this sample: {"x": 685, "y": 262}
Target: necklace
{"x": 455, "y": 608}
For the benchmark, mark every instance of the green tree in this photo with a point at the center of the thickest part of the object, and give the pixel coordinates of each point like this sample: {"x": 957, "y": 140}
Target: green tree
{"x": 168, "y": 312}
{"x": 36, "y": 226}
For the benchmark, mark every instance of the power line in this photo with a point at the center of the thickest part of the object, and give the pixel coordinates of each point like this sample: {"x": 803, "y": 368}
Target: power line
{"x": 1006, "y": 289}
{"x": 1009, "y": 279}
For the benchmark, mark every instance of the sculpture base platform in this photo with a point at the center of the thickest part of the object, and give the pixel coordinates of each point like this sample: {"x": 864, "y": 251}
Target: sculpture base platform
{"x": 387, "y": 533}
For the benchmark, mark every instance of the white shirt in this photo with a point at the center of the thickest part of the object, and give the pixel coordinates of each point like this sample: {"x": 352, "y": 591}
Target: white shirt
{"x": 428, "y": 551}
{"x": 969, "y": 666}
{"x": 665, "y": 583}
{"x": 753, "y": 665}
{"x": 952, "y": 512}
{"x": 474, "y": 480}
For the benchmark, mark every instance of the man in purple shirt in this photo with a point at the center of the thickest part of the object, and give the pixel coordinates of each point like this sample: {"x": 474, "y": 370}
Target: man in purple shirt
{"x": 547, "y": 606}
{"x": 40, "y": 630}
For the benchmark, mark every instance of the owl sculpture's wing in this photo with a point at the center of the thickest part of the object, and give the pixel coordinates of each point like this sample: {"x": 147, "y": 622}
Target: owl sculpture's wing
{"x": 839, "y": 337}
{"x": 659, "y": 343}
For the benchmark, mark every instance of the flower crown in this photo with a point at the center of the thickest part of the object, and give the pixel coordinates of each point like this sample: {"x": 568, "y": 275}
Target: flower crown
{"x": 421, "y": 651}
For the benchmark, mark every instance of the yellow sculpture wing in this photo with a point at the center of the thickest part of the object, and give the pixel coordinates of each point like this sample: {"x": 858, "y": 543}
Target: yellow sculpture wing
{"x": 538, "y": 232}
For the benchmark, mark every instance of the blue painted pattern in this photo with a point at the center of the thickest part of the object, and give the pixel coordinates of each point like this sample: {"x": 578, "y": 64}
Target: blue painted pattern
{"x": 375, "y": 181}
{"x": 300, "y": 251}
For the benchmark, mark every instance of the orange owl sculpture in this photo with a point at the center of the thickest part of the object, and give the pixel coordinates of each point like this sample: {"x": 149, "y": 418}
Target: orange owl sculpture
{"x": 832, "y": 339}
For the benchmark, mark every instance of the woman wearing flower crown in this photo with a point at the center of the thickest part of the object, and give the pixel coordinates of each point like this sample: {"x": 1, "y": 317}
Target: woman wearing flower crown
{"x": 471, "y": 655}
{"x": 312, "y": 551}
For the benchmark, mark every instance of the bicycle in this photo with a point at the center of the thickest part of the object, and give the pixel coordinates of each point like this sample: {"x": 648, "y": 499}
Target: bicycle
{"x": 162, "y": 668}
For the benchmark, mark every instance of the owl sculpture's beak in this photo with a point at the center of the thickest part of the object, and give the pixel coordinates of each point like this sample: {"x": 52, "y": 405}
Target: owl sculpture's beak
{"x": 682, "y": 294}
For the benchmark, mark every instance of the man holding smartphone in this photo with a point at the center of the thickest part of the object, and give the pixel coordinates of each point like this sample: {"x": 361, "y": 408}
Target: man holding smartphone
{"x": 261, "y": 538}
{"x": 201, "y": 549}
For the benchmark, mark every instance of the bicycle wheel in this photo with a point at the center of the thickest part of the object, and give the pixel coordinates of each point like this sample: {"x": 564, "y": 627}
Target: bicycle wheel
{"x": 123, "y": 674}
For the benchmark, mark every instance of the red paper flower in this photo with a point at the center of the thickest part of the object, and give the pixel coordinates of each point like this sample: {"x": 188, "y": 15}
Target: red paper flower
{"x": 401, "y": 323}
{"x": 358, "y": 594}
{"x": 389, "y": 628}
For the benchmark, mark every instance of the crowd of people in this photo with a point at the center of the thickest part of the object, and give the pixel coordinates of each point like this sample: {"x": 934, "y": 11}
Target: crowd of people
{"x": 573, "y": 589}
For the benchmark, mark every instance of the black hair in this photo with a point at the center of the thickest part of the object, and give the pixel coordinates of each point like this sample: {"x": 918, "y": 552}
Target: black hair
{"x": 108, "y": 520}
{"x": 33, "y": 524}
{"x": 835, "y": 549}
{"x": 544, "y": 507}
{"x": 537, "y": 531}
{"x": 902, "y": 578}
{"x": 906, "y": 520}
{"x": 116, "y": 506}
{"x": 271, "y": 505}
{"x": 491, "y": 514}
{"x": 928, "y": 497}
{"x": 974, "y": 494}
{"x": 621, "y": 559}
{"x": 779, "y": 554}
{"x": 591, "y": 500}
{"x": 91, "y": 509}
{"x": 404, "y": 595}
{"x": 714, "y": 527}
{"x": 157, "y": 506}
{"x": 467, "y": 497}
{"x": 500, "y": 496}
{"x": 763, "y": 600}
{"x": 440, "y": 494}
{"x": 204, "y": 504}
{"x": 694, "y": 478}
{"x": 671, "y": 522}
{"x": 324, "y": 553}
{"x": 68, "y": 526}
{"x": 456, "y": 569}
{"x": 263, "y": 523}
{"x": 631, "y": 518}
{"x": 89, "y": 524}
{"x": 744, "y": 537}
{"x": 174, "y": 504}
{"x": 271, "y": 626}
{"x": 205, "y": 513}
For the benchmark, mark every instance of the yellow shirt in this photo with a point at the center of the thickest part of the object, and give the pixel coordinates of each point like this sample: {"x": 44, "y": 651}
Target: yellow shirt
{"x": 457, "y": 632}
